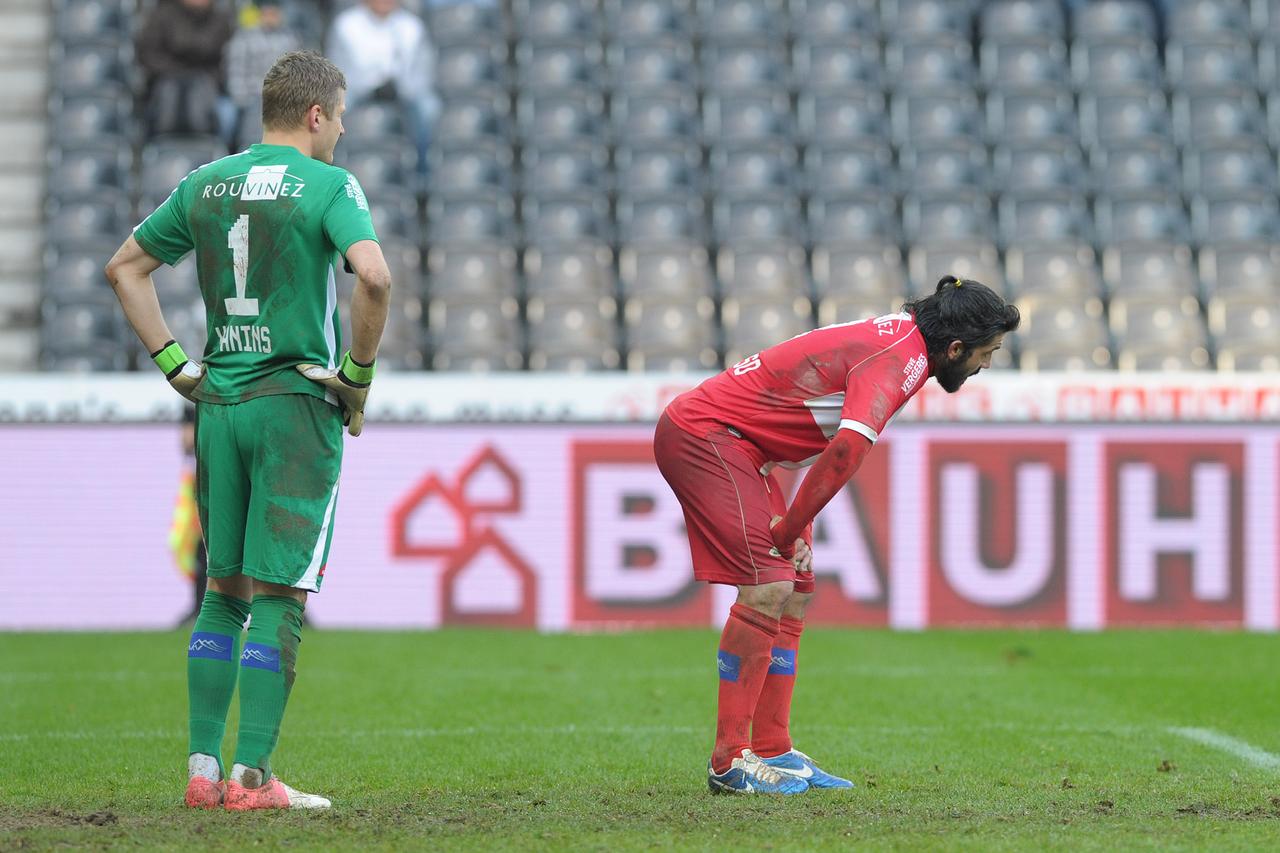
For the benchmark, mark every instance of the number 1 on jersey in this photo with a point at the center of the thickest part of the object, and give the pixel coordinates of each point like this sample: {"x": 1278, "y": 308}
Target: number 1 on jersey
{"x": 238, "y": 243}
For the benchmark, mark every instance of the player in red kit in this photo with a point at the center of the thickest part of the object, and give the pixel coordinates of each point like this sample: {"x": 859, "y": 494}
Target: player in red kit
{"x": 822, "y": 398}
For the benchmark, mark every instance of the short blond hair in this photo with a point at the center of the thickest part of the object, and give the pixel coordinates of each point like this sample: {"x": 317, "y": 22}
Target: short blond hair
{"x": 298, "y": 81}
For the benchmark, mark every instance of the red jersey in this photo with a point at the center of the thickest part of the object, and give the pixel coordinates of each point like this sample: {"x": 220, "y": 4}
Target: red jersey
{"x": 790, "y": 399}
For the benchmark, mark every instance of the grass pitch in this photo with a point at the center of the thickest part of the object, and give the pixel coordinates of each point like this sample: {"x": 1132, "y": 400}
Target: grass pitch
{"x": 489, "y": 740}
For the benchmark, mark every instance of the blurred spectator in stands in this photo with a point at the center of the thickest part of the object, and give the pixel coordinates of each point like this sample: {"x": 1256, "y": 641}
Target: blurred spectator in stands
{"x": 180, "y": 48}
{"x": 252, "y": 52}
{"x": 387, "y": 56}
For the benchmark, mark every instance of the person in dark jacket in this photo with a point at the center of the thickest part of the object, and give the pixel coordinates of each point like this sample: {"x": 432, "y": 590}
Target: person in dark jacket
{"x": 181, "y": 49}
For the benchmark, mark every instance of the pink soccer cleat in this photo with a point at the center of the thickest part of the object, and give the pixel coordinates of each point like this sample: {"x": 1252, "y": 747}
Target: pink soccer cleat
{"x": 204, "y": 793}
{"x": 274, "y": 794}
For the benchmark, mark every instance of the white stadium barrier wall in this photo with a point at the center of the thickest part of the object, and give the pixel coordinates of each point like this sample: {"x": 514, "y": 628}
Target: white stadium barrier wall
{"x": 1077, "y": 502}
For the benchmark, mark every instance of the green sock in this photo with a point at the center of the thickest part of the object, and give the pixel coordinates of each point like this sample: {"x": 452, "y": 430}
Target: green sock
{"x": 266, "y": 677}
{"x": 212, "y": 656}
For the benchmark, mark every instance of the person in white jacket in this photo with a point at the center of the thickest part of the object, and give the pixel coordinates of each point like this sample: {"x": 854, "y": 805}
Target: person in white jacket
{"x": 386, "y": 54}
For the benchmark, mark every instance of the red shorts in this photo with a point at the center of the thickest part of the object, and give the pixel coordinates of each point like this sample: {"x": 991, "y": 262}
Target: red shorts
{"x": 727, "y": 504}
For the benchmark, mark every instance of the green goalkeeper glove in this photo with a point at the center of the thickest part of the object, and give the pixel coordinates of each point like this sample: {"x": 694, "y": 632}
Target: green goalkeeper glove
{"x": 350, "y": 382}
{"x": 183, "y": 374}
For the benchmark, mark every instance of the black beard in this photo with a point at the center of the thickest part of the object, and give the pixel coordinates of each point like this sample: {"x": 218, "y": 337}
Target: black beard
{"x": 951, "y": 376}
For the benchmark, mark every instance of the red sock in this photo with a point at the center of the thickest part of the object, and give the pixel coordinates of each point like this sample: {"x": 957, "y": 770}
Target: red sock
{"x": 771, "y": 732}
{"x": 743, "y": 659}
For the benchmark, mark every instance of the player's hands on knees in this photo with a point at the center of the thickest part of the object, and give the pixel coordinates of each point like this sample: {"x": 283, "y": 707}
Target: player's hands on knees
{"x": 785, "y": 550}
{"x": 350, "y": 384}
{"x": 183, "y": 373}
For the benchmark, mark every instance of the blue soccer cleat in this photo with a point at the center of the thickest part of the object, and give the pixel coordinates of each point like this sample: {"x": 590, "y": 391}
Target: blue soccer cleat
{"x": 797, "y": 765}
{"x": 749, "y": 775}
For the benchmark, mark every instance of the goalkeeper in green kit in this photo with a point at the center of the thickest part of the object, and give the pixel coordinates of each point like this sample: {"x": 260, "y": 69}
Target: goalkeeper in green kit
{"x": 273, "y": 393}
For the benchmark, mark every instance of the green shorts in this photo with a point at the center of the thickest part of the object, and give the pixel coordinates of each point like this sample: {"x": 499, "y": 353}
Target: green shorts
{"x": 267, "y": 484}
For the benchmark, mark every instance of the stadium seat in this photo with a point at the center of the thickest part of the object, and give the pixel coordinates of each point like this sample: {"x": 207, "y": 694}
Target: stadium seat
{"x": 579, "y": 271}
{"x": 1206, "y": 117}
{"x": 763, "y": 271}
{"x": 1252, "y": 356}
{"x": 1027, "y": 63}
{"x": 865, "y": 270}
{"x": 449, "y": 23}
{"x": 89, "y": 118}
{"x": 475, "y": 166}
{"x": 165, "y": 162}
{"x": 1194, "y": 18}
{"x": 565, "y": 167}
{"x": 661, "y": 218}
{"x": 1062, "y": 320}
{"x": 1063, "y": 356}
{"x": 1150, "y": 216}
{"x": 85, "y": 322}
{"x": 1012, "y": 19}
{"x": 1149, "y": 268}
{"x": 83, "y": 170}
{"x": 477, "y": 271}
{"x": 666, "y": 334}
{"x": 1243, "y": 216}
{"x": 1244, "y": 319}
{"x": 1252, "y": 268}
{"x": 854, "y": 218}
{"x": 645, "y": 20}
{"x": 90, "y": 67}
{"x": 654, "y": 116}
{"x": 667, "y": 271}
{"x": 1148, "y": 164}
{"x": 1045, "y": 164}
{"x": 658, "y": 167}
{"x": 75, "y": 272}
{"x": 88, "y": 21}
{"x": 1159, "y": 357}
{"x": 746, "y": 117}
{"x": 177, "y": 285}
{"x": 928, "y": 63}
{"x": 373, "y": 122}
{"x": 1030, "y": 115}
{"x": 1123, "y": 115}
{"x": 848, "y": 167}
{"x": 575, "y": 114}
{"x": 1141, "y": 319}
{"x": 827, "y": 119}
{"x": 1105, "y": 19}
{"x": 1269, "y": 63}
{"x": 389, "y": 163}
{"x": 930, "y": 260}
{"x": 753, "y": 167}
{"x": 567, "y": 216}
{"x": 944, "y": 165}
{"x": 839, "y": 67}
{"x": 572, "y": 332}
{"x": 471, "y": 217}
{"x": 466, "y": 66}
{"x": 463, "y": 118}
{"x": 555, "y": 65}
{"x": 941, "y": 114}
{"x": 744, "y": 66}
{"x": 652, "y": 66}
{"x": 816, "y": 21}
{"x": 1228, "y": 167}
{"x": 461, "y": 332}
{"x": 1210, "y": 63}
{"x": 1066, "y": 269}
{"x": 754, "y": 324}
{"x": 959, "y": 214}
{"x": 1119, "y": 62}
{"x": 733, "y": 20}
{"x": 554, "y": 20}
{"x": 101, "y": 216}
{"x": 912, "y": 18}
{"x": 1051, "y": 216}
{"x": 851, "y": 309}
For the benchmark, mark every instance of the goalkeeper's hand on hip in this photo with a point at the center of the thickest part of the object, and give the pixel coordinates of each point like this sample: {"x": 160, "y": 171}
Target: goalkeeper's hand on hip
{"x": 350, "y": 384}
{"x": 183, "y": 373}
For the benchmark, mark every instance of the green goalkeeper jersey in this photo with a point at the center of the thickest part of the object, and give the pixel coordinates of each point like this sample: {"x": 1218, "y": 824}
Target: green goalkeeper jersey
{"x": 267, "y": 227}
